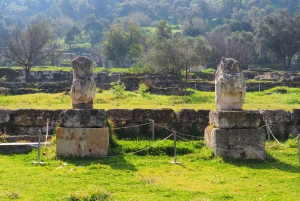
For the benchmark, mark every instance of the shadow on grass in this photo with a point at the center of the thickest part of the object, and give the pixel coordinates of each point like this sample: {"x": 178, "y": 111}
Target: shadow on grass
{"x": 270, "y": 163}
{"x": 118, "y": 163}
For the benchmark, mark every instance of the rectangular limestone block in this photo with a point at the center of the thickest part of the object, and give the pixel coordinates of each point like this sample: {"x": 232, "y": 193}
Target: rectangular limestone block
{"x": 235, "y": 118}
{"x": 82, "y": 141}
{"x": 83, "y": 118}
{"x": 239, "y": 143}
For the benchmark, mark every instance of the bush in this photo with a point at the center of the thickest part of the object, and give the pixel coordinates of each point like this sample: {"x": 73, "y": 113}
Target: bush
{"x": 143, "y": 89}
{"x": 118, "y": 89}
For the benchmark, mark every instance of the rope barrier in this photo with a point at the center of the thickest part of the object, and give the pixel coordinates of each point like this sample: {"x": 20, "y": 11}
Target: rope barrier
{"x": 183, "y": 138}
{"x": 274, "y": 136}
{"x": 181, "y": 133}
{"x": 132, "y": 126}
{"x": 136, "y": 151}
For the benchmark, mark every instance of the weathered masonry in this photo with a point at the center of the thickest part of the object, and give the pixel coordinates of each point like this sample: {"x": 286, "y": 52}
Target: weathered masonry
{"x": 24, "y": 124}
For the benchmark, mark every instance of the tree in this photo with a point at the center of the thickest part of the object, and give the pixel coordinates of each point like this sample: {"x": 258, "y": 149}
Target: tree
{"x": 278, "y": 34}
{"x": 71, "y": 35}
{"x": 121, "y": 43}
{"x": 163, "y": 31}
{"x": 241, "y": 47}
{"x": 176, "y": 55}
{"x": 26, "y": 47}
{"x": 94, "y": 27}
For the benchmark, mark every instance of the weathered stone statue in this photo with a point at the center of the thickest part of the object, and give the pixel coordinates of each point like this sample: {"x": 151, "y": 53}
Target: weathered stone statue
{"x": 230, "y": 85}
{"x": 84, "y": 87}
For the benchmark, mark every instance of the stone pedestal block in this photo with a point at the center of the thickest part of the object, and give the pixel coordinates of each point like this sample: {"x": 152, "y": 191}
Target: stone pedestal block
{"x": 82, "y": 141}
{"x": 235, "y": 119}
{"x": 236, "y": 134}
{"x": 83, "y": 118}
{"x": 239, "y": 143}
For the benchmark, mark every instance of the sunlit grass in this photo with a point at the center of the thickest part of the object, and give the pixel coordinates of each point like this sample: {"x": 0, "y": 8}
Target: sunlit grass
{"x": 152, "y": 176}
{"x": 269, "y": 99}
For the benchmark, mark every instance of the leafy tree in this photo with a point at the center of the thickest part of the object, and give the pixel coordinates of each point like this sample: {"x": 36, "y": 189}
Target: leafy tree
{"x": 236, "y": 25}
{"x": 162, "y": 32}
{"x": 71, "y": 35}
{"x": 27, "y": 47}
{"x": 95, "y": 27}
{"x": 241, "y": 47}
{"x": 122, "y": 43}
{"x": 217, "y": 42}
{"x": 278, "y": 34}
{"x": 176, "y": 55}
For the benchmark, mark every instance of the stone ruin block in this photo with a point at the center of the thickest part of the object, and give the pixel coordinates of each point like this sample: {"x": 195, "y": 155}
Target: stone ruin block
{"x": 239, "y": 143}
{"x": 158, "y": 115}
{"x": 295, "y": 116}
{"x": 235, "y": 119}
{"x": 83, "y": 118}
{"x": 5, "y": 116}
{"x": 82, "y": 142}
{"x": 188, "y": 116}
{"x": 31, "y": 117}
{"x": 236, "y": 134}
{"x": 119, "y": 115}
{"x": 279, "y": 122}
{"x": 203, "y": 116}
{"x": 275, "y": 116}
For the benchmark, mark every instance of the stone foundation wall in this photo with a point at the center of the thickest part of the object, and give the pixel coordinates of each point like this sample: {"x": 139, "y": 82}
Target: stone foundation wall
{"x": 24, "y": 124}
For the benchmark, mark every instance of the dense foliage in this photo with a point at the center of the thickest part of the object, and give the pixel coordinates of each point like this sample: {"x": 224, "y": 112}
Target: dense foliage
{"x": 228, "y": 26}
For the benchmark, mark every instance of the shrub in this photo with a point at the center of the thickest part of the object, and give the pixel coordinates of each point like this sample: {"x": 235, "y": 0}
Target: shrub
{"x": 118, "y": 89}
{"x": 143, "y": 89}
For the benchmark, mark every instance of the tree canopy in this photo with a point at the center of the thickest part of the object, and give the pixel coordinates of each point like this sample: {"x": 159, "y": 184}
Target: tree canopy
{"x": 278, "y": 34}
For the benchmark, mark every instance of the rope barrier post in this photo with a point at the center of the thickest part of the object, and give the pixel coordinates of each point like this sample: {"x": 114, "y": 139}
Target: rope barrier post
{"x": 153, "y": 124}
{"x": 259, "y": 87}
{"x": 47, "y": 131}
{"x": 39, "y": 149}
{"x": 299, "y": 148}
{"x": 268, "y": 131}
{"x": 175, "y": 151}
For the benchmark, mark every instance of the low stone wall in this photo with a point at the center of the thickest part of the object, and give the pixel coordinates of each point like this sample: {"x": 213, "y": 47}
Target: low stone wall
{"x": 24, "y": 124}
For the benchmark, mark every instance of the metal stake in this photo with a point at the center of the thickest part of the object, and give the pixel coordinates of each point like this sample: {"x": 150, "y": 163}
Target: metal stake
{"x": 47, "y": 131}
{"x": 153, "y": 124}
{"x": 175, "y": 151}
{"x": 299, "y": 148}
{"x": 39, "y": 150}
{"x": 39, "y": 147}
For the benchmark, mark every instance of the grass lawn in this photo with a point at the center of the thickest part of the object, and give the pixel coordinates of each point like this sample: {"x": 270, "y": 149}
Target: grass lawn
{"x": 148, "y": 176}
{"x": 269, "y": 99}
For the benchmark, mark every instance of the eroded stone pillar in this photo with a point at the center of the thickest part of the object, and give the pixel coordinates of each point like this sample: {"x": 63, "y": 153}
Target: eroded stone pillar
{"x": 84, "y": 87}
{"x": 230, "y": 85}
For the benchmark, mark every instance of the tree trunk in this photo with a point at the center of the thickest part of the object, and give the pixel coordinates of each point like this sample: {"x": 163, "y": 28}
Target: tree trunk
{"x": 26, "y": 74}
{"x": 186, "y": 79}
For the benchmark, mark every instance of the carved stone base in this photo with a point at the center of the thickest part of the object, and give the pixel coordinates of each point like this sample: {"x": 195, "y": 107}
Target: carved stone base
{"x": 238, "y": 143}
{"x": 82, "y": 141}
{"x": 235, "y": 134}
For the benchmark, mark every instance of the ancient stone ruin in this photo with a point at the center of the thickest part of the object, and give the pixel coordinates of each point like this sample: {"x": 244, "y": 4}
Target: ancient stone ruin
{"x": 230, "y": 85}
{"x": 84, "y": 87}
{"x": 234, "y": 133}
{"x": 82, "y": 133}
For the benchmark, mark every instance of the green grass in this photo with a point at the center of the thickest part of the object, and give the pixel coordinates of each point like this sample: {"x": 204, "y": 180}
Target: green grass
{"x": 152, "y": 176}
{"x": 69, "y": 69}
{"x": 131, "y": 100}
